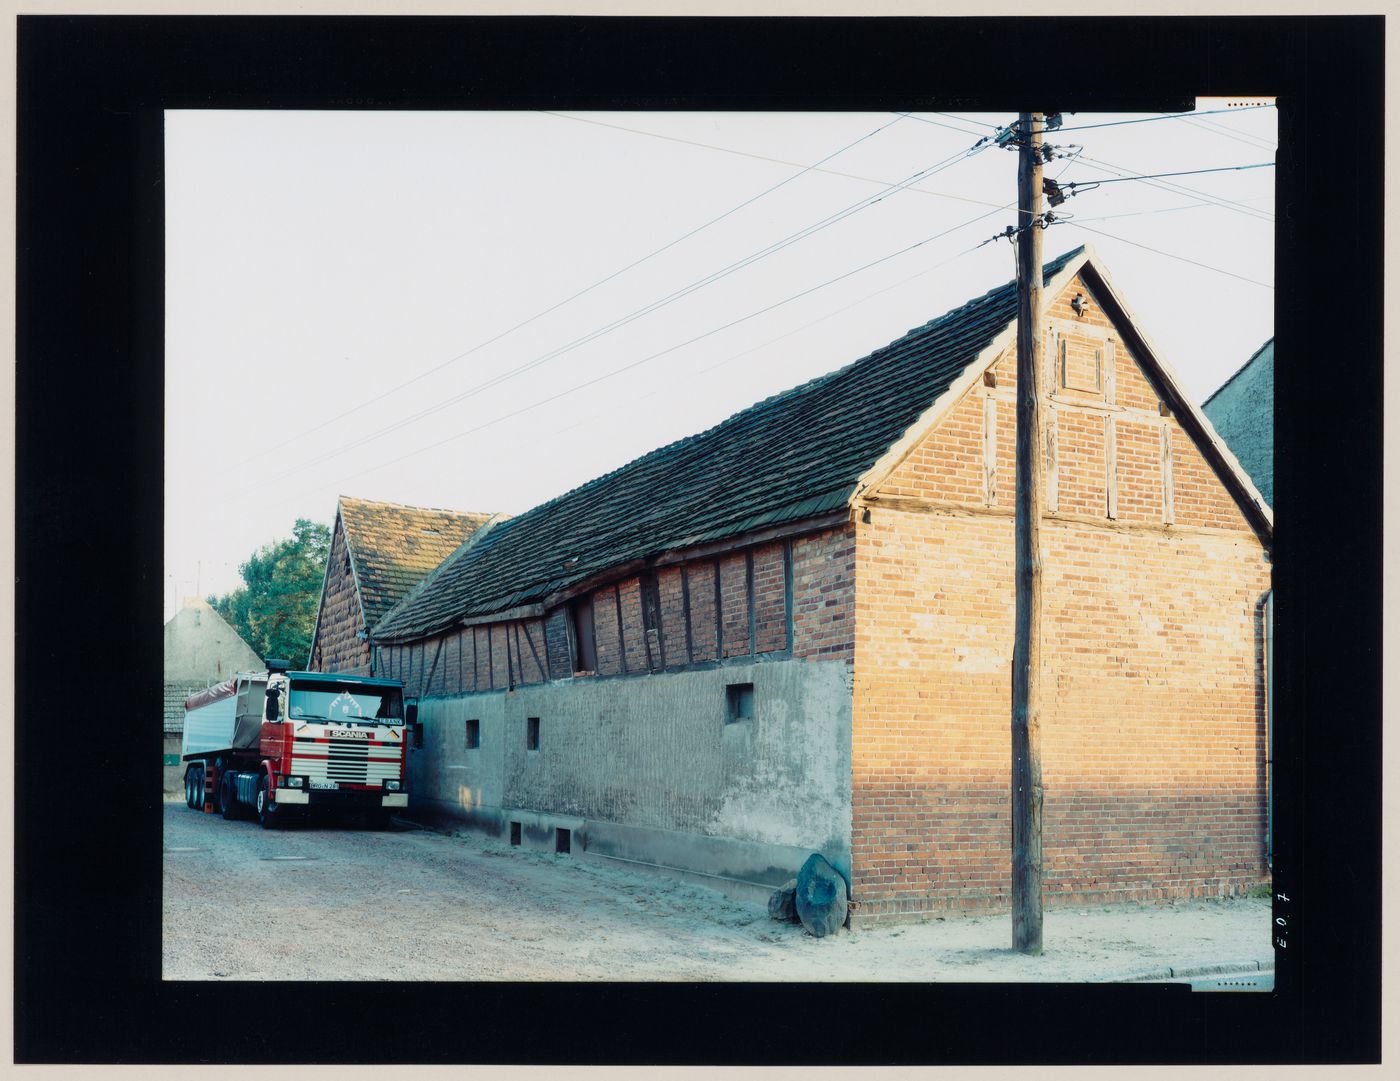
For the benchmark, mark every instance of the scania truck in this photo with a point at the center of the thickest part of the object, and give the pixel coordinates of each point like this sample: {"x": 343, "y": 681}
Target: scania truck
{"x": 276, "y": 744}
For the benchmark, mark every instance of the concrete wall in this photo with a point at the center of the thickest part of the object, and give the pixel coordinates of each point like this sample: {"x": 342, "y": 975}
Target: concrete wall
{"x": 645, "y": 768}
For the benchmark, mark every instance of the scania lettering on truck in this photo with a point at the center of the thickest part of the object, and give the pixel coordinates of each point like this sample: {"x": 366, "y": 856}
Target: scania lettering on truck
{"x": 275, "y": 744}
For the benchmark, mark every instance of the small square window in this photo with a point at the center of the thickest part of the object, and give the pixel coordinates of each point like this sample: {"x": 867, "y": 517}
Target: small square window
{"x": 532, "y": 734}
{"x": 739, "y": 702}
{"x": 473, "y": 734}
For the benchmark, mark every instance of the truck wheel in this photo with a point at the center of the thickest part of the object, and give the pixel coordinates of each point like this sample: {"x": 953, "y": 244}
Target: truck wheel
{"x": 228, "y": 798}
{"x": 189, "y": 788}
{"x": 267, "y": 815}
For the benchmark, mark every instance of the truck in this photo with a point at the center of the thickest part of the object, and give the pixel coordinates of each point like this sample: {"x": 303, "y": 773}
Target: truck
{"x": 280, "y": 744}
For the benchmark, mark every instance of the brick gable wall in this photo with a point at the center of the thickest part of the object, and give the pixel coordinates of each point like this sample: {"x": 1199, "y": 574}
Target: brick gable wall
{"x": 337, "y": 647}
{"x": 1152, "y": 733}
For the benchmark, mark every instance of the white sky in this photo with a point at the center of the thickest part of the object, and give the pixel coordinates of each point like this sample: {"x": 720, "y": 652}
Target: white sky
{"x": 318, "y": 261}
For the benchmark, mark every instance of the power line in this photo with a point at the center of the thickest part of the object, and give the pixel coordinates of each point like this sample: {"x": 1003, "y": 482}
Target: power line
{"x": 969, "y": 120}
{"x": 1169, "y": 255}
{"x": 1170, "y": 116}
{"x": 1182, "y": 189}
{"x": 648, "y": 309}
{"x": 789, "y": 333}
{"x": 1136, "y": 213}
{"x": 1157, "y": 176}
{"x": 774, "y": 161}
{"x": 664, "y": 352}
{"x": 569, "y": 299}
{"x": 926, "y": 120}
{"x": 1221, "y": 129}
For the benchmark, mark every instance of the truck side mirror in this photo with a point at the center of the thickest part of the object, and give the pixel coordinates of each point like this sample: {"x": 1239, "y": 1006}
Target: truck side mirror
{"x": 410, "y": 711}
{"x": 270, "y": 710}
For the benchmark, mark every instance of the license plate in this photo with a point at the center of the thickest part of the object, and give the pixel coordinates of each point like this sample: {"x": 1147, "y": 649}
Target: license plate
{"x": 325, "y": 784}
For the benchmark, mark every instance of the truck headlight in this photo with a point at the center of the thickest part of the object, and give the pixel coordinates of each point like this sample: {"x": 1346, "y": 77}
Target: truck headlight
{"x": 393, "y": 786}
{"x": 291, "y": 782}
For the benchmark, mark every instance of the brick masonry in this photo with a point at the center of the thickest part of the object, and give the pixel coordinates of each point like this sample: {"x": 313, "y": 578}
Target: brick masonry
{"x": 1153, "y": 726}
{"x": 337, "y": 647}
{"x": 1153, "y": 723}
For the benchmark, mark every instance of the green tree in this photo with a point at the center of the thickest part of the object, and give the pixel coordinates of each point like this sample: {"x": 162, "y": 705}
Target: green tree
{"x": 275, "y": 609}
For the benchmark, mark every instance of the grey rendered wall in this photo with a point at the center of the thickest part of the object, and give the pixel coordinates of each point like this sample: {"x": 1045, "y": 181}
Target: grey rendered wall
{"x": 646, "y": 768}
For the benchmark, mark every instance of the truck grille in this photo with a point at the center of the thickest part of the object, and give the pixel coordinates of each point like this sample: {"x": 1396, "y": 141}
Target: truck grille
{"x": 346, "y": 761}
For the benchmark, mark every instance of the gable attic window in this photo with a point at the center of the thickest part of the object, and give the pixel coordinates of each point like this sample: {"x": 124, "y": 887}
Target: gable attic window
{"x": 1081, "y": 364}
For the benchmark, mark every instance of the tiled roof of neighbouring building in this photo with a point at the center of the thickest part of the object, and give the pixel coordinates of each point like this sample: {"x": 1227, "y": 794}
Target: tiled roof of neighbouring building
{"x": 392, "y": 547}
{"x": 792, "y": 456}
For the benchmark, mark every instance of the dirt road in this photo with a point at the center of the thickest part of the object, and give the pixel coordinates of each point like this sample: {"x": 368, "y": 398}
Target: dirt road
{"x": 346, "y": 903}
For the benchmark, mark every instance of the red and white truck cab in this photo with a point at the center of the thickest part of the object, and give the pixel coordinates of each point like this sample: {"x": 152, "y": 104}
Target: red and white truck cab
{"x": 269, "y": 744}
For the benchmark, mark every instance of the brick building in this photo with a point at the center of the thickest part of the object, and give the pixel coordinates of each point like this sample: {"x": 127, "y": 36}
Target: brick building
{"x": 379, "y": 551}
{"x": 793, "y": 632}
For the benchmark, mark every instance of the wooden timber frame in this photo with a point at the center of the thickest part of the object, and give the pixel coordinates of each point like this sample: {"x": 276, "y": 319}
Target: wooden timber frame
{"x": 513, "y": 621}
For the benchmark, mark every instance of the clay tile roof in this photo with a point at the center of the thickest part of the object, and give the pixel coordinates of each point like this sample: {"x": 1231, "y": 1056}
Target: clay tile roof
{"x": 792, "y": 456}
{"x": 393, "y": 547}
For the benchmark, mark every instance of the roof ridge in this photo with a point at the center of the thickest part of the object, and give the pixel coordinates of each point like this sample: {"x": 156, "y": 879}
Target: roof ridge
{"x": 408, "y": 506}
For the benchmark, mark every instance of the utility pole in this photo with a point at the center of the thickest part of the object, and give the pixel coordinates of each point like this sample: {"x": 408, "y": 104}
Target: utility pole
{"x": 1026, "y": 793}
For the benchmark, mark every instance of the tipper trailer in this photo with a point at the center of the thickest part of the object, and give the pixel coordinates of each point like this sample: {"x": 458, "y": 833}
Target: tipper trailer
{"x": 266, "y": 744}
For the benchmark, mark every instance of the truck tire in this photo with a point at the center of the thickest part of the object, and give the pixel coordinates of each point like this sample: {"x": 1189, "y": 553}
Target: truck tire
{"x": 189, "y": 788}
{"x": 228, "y": 798}
{"x": 267, "y": 815}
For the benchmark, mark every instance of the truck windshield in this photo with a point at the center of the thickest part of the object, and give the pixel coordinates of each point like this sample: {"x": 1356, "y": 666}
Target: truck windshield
{"x": 345, "y": 702}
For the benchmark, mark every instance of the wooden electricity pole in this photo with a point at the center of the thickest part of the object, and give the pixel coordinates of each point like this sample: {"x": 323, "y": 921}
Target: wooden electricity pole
{"x": 1026, "y": 794}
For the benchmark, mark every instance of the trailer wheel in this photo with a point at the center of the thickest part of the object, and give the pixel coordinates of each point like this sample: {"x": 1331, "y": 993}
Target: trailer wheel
{"x": 228, "y": 798}
{"x": 267, "y": 815}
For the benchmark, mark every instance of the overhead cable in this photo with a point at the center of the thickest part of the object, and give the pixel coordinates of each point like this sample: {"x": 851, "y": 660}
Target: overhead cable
{"x": 1171, "y": 255}
{"x": 664, "y": 352}
{"x": 379, "y": 397}
{"x": 639, "y": 313}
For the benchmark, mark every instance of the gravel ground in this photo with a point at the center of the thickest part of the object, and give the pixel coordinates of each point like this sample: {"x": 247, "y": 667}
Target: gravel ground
{"x": 346, "y": 903}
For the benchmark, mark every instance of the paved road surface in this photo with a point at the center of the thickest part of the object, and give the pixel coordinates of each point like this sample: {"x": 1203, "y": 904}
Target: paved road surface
{"x": 350, "y": 903}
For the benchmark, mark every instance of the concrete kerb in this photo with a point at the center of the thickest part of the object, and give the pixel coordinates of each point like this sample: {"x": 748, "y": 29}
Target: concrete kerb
{"x": 1197, "y": 970}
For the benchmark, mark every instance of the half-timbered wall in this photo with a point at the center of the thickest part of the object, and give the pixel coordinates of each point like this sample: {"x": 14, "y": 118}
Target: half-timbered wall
{"x": 646, "y": 756}
{"x": 768, "y": 601}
